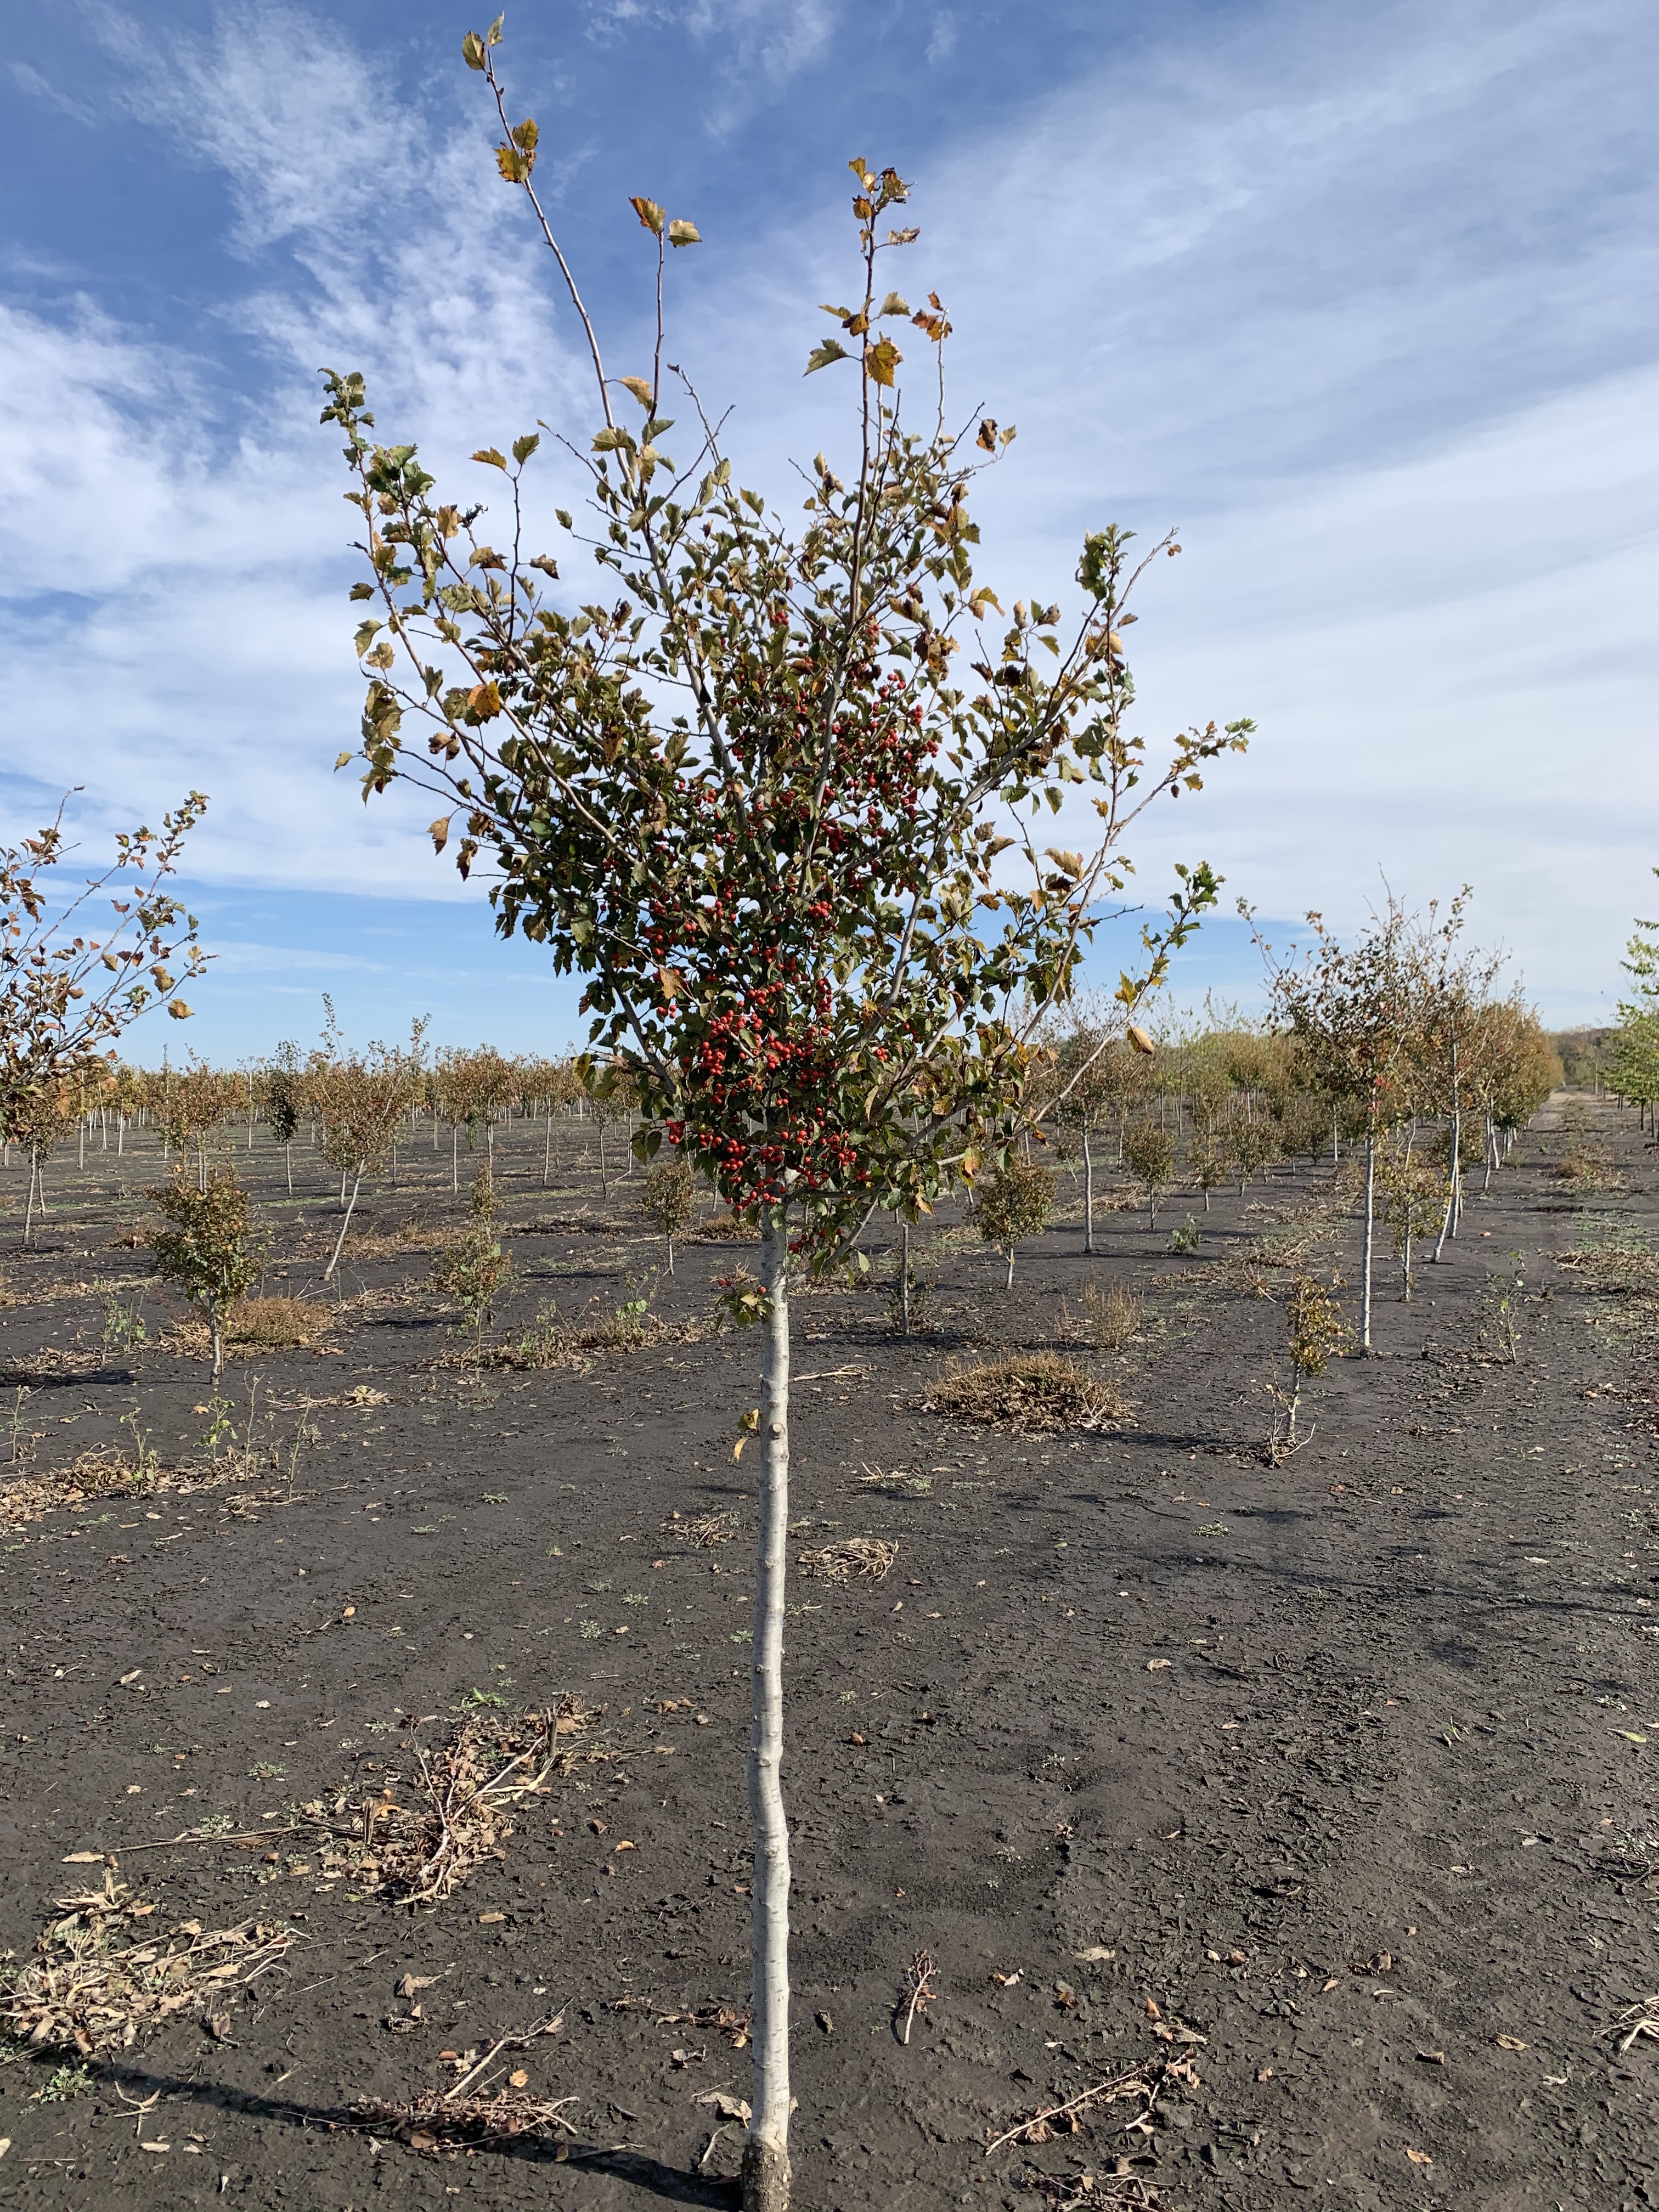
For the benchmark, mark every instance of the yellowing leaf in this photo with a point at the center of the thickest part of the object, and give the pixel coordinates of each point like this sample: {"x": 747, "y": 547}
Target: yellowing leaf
{"x": 515, "y": 166}
{"x": 682, "y": 233}
{"x": 180, "y": 1011}
{"x": 987, "y": 435}
{"x": 893, "y": 305}
{"x": 1140, "y": 1040}
{"x": 821, "y": 356}
{"x": 650, "y": 215}
{"x": 640, "y": 389}
{"x": 341, "y": 761}
{"x": 472, "y": 50}
{"x": 439, "y": 833}
{"x": 490, "y": 457}
{"x": 880, "y": 361}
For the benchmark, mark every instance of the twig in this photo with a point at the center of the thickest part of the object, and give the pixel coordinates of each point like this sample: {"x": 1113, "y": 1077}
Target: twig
{"x": 1059, "y": 2111}
{"x": 922, "y": 1973}
{"x": 520, "y": 2041}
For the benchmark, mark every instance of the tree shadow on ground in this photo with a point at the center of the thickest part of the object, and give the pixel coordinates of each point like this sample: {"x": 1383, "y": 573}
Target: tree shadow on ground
{"x": 621, "y": 2161}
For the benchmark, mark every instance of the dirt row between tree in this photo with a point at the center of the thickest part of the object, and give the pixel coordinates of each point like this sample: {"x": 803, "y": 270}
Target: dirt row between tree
{"x": 1300, "y": 1811}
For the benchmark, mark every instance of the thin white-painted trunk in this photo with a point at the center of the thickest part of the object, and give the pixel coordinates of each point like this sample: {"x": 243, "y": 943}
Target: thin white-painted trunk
{"x": 1088, "y": 1195}
{"x": 339, "y": 1241}
{"x": 766, "y": 2152}
{"x": 1371, "y": 1241}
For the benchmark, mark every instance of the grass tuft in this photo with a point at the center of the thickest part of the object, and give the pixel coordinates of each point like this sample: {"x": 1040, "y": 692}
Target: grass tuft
{"x": 1037, "y": 1393}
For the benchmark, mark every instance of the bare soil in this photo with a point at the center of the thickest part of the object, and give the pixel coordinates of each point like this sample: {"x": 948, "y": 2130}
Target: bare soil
{"x": 1313, "y": 1800}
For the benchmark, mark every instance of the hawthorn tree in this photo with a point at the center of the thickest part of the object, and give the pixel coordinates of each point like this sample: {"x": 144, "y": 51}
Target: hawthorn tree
{"x": 1356, "y": 1011}
{"x": 1633, "y": 1060}
{"x": 363, "y": 1097}
{"x": 207, "y": 1246}
{"x": 1012, "y": 1203}
{"x": 752, "y": 796}
{"x": 71, "y": 984}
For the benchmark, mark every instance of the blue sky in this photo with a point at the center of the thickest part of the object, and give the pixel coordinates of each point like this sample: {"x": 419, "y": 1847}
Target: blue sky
{"x": 1363, "y": 300}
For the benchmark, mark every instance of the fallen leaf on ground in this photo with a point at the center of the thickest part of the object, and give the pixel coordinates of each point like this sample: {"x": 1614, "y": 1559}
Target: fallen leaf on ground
{"x": 1510, "y": 2043}
{"x": 1418, "y": 2157}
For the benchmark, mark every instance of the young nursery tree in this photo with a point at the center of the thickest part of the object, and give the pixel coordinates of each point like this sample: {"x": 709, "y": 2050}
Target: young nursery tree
{"x": 1012, "y": 1203}
{"x": 474, "y": 1270}
{"x": 207, "y": 1246}
{"x": 285, "y": 1098}
{"x": 669, "y": 1202}
{"x": 66, "y": 996}
{"x": 1355, "y": 1013}
{"x": 750, "y": 796}
{"x": 1633, "y": 1054}
{"x": 1149, "y": 1154}
{"x": 1315, "y": 1333}
{"x": 363, "y": 1097}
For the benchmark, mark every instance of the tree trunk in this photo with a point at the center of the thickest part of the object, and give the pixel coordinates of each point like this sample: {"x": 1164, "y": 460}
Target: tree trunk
{"x": 904, "y": 1278}
{"x": 1370, "y": 1239}
{"x": 670, "y": 1256}
{"x": 339, "y": 1241}
{"x": 217, "y": 1333}
{"x": 547, "y": 1152}
{"x": 766, "y": 2152}
{"x": 1009, "y": 1285}
{"x": 455, "y": 1158}
{"x": 1088, "y": 1196}
{"x": 81, "y": 1162}
{"x": 288, "y": 1151}
{"x": 29, "y": 1211}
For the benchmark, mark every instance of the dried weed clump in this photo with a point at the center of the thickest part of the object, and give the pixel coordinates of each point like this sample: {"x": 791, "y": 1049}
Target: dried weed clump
{"x": 1036, "y": 1392}
{"x": 97, "y": 1982}
{"x": 1106, "y": 1321}
{"x": 700, "y": 1532}
{"x": 468, "y": 1788}
{"x": 867, "y": 1558}
{"x": 438, "y": 2120}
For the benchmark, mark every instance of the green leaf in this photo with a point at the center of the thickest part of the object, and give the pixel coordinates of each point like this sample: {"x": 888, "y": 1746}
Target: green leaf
{"x": 893, "y": 305}
{"x": 564, "y": 514}
{"x": 362, "y": 592}
{"x": 821, "y": 356}
{"x": 650, "y": 215}
{"x": 472, "y": 50}
{"x": 682, "y": 233}
{"x": 494, "y": 36}
{"x": 488, "y": 455}
{"x": 523, "y": 447}
{"x": 608, "y": 439}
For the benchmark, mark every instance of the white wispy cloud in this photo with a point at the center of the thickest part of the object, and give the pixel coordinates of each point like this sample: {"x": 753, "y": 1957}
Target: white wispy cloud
{"x": 1365, "y": 305}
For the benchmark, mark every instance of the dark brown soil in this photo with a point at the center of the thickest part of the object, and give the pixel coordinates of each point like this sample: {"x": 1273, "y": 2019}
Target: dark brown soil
{"x": 1326, "y": 1782}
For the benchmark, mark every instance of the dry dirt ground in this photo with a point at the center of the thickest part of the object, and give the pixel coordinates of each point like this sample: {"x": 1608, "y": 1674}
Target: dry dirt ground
{"x": 1312, "y": 1801}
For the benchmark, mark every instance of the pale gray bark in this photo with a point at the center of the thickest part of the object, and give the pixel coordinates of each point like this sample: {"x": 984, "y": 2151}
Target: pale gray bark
{"x": 339, "y": 1241}
{"x": 1371, "y": 1240}
{"x": 766, "y": 2153}
{"x": 1089, "y": 1195}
